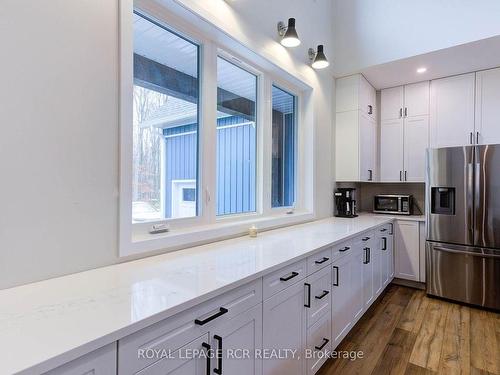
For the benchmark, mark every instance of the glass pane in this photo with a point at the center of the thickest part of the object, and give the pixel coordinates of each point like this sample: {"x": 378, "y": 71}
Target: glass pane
{"x": 236, "y": 139}
{"x": 283, "y": 152}
{"x": 165, "y": 123}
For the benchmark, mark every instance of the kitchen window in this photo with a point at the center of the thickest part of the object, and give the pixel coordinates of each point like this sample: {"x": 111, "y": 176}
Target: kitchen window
{"x": 284, "y": 122}
{"x": 165, "y": 122}
{"x": 212, "y": 142}
{"x": 236, "y": 139}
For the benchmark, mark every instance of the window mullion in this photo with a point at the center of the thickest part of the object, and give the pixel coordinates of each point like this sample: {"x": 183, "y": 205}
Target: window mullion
{"x": 266, "y": 146}
{"x": 208, "y": 134}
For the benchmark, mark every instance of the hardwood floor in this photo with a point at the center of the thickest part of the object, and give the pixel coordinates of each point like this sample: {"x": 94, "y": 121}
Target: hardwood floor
{"x": 407, "y": 333}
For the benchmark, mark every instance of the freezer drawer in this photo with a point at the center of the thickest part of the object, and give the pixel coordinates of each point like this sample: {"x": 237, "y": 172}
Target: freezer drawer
{"x": 465, "y": 274}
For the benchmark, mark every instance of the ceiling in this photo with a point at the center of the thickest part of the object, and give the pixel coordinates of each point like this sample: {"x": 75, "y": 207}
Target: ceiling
{"x": 470, "y": 57}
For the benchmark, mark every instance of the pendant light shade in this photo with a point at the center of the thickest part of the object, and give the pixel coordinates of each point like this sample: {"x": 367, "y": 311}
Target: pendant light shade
{"x": 319, "y": 60}
{"x": 290, "y": 38}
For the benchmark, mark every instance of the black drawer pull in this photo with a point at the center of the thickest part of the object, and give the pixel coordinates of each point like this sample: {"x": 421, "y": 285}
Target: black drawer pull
{"x": 208, "y": 348}
{"x": 218, "y": 370}
{"x": 325, "y": 259}
{"x": 384, "y": 243}
{"x": 366, "y": 239}
{"x": 325, "y": 341}
{"x": 366, "y": 260}
{"x": 289, "y": 277}
{"x": 322, "y": 295}
{"x": 383, "y": 229}
{"x": 344, "y": 249}
{"x": 336, "y": 283}
{"x": 308, "y": 303}
{"x": 221, "y": 312}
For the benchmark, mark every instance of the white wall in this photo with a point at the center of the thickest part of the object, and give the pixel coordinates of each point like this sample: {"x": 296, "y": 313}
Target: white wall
{"x": 371, "y": 32}
{"x": 59, "y": 135}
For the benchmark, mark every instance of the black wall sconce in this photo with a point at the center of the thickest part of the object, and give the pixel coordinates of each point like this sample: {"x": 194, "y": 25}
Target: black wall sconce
{"x": 318, "y": 58}
{"x": 289, "y": 36}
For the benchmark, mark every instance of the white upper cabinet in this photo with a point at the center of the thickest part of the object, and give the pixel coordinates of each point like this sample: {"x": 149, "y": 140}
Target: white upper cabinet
{"x": 355, "y": 130}
{"x": 391, "y": 150}
{"x": 487, "y": 119}
{"x": 452, "y": 111}
{"x": 404, "y": 133}
{"x": 416, "y": 99}
{"x": 391, "y": 106}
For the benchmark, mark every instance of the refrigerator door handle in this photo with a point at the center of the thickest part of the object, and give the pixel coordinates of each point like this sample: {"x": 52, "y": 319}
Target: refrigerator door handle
{"x": 440, "y": 248}
{"x": 470, "y": 202}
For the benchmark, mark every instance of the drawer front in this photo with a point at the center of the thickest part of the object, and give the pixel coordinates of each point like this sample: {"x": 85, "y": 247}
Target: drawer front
{"x": 386, "y": 229}
{"x": 318, "y": 344}
{"x": 283, "y": 278}
{"x": 320, "y": 296}
{"x": 341, "y": 249}
{"x": 184, "y": 328}
{"x": 319, "y": 260}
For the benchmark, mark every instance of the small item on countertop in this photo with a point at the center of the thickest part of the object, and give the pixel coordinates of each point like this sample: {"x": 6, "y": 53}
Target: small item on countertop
{"x": 252, "y": 231}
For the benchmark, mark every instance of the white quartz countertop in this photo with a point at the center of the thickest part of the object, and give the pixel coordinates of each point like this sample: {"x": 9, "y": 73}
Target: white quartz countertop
{"x": 47, "y": 323}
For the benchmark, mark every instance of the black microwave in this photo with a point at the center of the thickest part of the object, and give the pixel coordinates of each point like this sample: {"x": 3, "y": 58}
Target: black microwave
{"x": 393, "y": 204}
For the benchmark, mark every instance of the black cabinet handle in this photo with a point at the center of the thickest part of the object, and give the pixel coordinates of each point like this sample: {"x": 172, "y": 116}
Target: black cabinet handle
{"x": 325, "y": 259}
{"x": 325, "y": 341}
{"x": 392, "y": 229}
{"x": 384, "y": 243}
{"x": 471, "y": 139}
{"x": 400, "y": 112}
{"x": 218, "y": 370}
{"x": 208, "y": 348}
{"x": 383, "y": 229}
{"x": 336, "y": 283}
{"x": 400, "y": 175}
{"x": 323, "y": 295}
{"x": 344, "y": 249}
{"x": 366, "y": 239}
{"x": 370, "y": 109}
{"x": 221, "y": 312}
{"x": 477, "y": 137}
{"x": 370, "y": 178}
{"x": 289, "y": 277}
{"x": 406, "y": 111}
{"x": 308, "y": 303}
{"x": 406, "y": 175}
{"x": 365, "y": 260}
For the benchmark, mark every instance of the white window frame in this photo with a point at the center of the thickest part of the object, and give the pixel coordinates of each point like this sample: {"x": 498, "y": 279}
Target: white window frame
{"x": 135, "y": 239}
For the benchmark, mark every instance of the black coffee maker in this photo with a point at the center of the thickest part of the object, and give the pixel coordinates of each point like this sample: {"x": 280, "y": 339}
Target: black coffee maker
{"x": 345, "y": 204}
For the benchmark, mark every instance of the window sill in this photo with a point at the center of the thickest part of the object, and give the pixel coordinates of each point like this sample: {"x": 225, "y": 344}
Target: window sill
{"x": 149, "y": 244}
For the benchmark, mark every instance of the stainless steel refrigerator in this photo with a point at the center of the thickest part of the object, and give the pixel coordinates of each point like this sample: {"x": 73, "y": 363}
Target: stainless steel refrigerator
{"x": 463, "y": 224}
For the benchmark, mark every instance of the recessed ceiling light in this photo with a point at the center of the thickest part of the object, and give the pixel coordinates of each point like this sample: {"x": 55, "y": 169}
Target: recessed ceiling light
{"x": 421, "y": 70}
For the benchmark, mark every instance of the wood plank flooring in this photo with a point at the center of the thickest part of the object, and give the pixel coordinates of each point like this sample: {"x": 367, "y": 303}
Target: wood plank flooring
{"x": 407, "y": 333}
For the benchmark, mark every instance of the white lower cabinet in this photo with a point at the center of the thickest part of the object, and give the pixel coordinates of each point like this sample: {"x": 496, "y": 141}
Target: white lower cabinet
{"x": 285, "y": 328}
{"x": 407, "y": 250}
{"x": 285, "y": 323}
{"x": 99, "y": 362}
{"x": 342, "y": 298}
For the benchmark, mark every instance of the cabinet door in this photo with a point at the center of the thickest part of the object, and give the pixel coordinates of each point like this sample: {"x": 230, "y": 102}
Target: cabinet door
{"x": 100, "y": 362}
{"x": 487, "y": 106}
{"x": 368, "y": 139}
{"x": 416, "y": 141}
{"x": 377, "y": 257}
{"x": 391, "y": 103}
{"x": 391, "y": 150}
{"x": 452, "y": 111}
{"x": 356, "y": 266}
{"x": 285, "y": 328}
{"x": 368, "y": 281}
{"x": 347, "y": 93}
{"x": 367, "y": 98}
{"x": 342, "y": 294}
{"x": 386, "y": 243}
{"x": 416, "y": 99}
{"x": 239, "y": 338}
{"x": 347, "y": 146}
{"x": 407, "y": 249}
